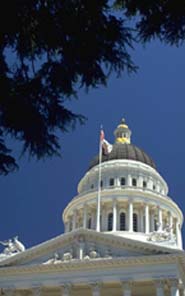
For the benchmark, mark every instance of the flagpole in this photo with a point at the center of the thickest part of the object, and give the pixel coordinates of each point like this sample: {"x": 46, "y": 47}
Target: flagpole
{"x": 99, "y": 181}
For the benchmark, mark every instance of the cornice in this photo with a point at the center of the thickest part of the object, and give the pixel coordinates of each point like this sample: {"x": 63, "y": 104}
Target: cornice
{"x": 88, "y": 265}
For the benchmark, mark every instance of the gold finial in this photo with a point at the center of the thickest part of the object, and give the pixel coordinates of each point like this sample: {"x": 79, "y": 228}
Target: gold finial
{"x": 122, "y": 133}
{"x": 123, "y": 124}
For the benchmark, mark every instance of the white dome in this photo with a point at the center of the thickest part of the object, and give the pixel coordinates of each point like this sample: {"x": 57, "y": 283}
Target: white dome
{"x": 134, "y": 202}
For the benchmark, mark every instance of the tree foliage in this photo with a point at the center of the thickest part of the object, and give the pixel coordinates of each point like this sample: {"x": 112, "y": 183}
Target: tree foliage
{"x": 51, "y": 48}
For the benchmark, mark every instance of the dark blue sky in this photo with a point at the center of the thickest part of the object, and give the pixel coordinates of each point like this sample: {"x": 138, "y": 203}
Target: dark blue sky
{"x": 153, "y": 103}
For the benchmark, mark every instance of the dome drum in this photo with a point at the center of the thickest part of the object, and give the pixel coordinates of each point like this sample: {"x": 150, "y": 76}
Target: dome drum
{"x": 123, "y": 174}
{"x": 135, "y": 217}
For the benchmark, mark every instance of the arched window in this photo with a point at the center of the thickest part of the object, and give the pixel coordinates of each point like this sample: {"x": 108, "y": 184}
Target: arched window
{"x": 110, "y": 220}
{"x": 135, "y": 222}
{"x": 134, "y": 182}
{"x": 154, "y": 187}
{"x": 89, "y": 222}
{"x": 144, "y": 184}
{"x": 111, "y": 182}
{"x": 122, "y": 219}
{"x": 123, "y": 181}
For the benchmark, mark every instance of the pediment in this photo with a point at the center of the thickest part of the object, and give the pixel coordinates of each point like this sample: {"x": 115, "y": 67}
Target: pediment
{"x": 81, "y": 245}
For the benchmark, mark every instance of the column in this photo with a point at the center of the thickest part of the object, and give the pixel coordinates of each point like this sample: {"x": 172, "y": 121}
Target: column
{"x": 178, "y": 234}
{"x": 159, "y": 288}
{"x": 126, "y": 289}
{"x": 170, "y": 222}
{"x": 152, "y": 219}
{"x": 130, "y": 216}
{"x": 129, "y": 180}
{"x": 36, "y": 291}
{"x": 85, "y": 216}
{"x": 95, "y": 289}
{"x": 150, "y": 183}
{"x": 74, "y": 220}
{"x": 65, "y": 291}
{"x": 141, "y": 219}
{"x": 174, "y": 287}
{"x": 114, "y": 215}
{"x": 160, "y": 219}
{"x": 140, "y": 181}
{"x": 147, "y": 219}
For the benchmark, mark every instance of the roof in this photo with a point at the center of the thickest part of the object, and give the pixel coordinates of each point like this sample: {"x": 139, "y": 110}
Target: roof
{"x": 125, "y": 151}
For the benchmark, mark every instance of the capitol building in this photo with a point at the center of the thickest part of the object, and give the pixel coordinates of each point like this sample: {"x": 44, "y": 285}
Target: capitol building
{"x": 122, "y": 235}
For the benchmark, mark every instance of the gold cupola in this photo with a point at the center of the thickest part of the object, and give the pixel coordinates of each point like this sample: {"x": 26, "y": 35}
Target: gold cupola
{"x": 122, "y": 133}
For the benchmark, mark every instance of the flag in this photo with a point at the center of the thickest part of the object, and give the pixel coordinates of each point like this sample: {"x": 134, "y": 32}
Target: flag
{"x": 105, "y": 146}
{"x": 102, "y": 135}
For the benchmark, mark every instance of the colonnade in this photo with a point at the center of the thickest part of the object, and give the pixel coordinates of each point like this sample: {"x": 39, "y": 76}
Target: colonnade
{"x": 168, "y": 287}
{"x": 149, "y": 218}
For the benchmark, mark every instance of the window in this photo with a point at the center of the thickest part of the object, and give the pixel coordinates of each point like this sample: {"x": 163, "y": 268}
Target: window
{"x": 135, "y": 224}
{"x": 89, "y": 223}
{"x": 144, "y": 184}
{"x": 92, "y": 186}
{"x": 122, "y": 218}
{"x": 111, "y": 182}
{"x": 110, "y": 220}
{"x": 134, "y": 182}
{"x": 101, "y": 183}
{"x": 123, "y": 181}
{"x": 154, "y": 187}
